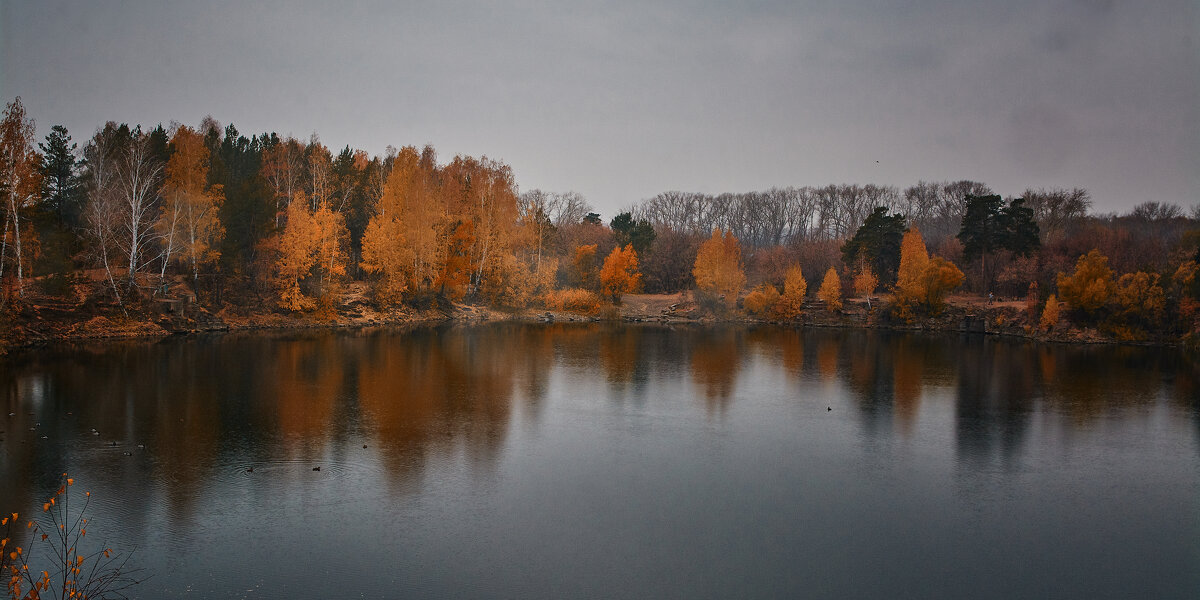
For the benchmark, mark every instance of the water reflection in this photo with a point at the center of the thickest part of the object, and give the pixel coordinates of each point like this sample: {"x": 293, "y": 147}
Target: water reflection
{"x": 425, "y": 391}
{"x": 160, "y": 429}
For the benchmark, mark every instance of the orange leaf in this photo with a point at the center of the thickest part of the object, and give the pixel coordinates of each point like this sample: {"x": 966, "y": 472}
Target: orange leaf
{"x": 70, "y": 482}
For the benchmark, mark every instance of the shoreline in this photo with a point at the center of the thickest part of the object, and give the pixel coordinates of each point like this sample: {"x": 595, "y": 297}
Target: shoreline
{"x": 99, "y": 324}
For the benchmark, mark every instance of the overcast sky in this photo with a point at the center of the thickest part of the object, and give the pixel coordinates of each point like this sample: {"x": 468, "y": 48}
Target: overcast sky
{"x": 622, "y": 100}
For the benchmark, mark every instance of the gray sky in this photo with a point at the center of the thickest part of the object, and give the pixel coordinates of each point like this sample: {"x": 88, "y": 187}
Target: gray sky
{"x": 622, "y": 100}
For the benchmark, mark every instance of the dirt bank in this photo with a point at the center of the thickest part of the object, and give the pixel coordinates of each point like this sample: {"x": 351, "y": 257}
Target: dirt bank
{"x": 86, "y": 313}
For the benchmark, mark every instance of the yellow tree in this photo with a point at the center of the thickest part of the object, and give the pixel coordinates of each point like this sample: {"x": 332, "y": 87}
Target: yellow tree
{"x": 831, "y": 290}
{"x": 1089, "y": 288}
{"x": 312, "y": 254}
{"x": 585, "y": 267}
{"x": 865, "y": 282}
{"x": 913, "y": 261}
{"x": 401, "y": 241}
{"x": 794, "y": 289}
{"x": 386, "y": 254}
{"x": 1140, "y": 297}
{"x": 482, "y": 192}
{"x": 923, "y": 281}
{"x": 331, "y": 255}
{"x": 718, "y": 267}
{"x": 940, "y": 277}
{"x": 1050, "y": 313}
{"x": 761, "y": 300}
{"x": 202, "y": 228}
{"x": 188, "y": 223}
{"x": 20, "y": 189}
{"x": 297, "y": 254}
{"x": 620, "y": 274}
{"x": 494, "y": 212}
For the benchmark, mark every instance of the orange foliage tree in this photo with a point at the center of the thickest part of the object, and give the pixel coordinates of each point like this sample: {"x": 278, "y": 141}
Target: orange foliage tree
{"x": 865, "y": 281}
{"x": 402, "y": 244}
{"x": 831, "y": 290}
{"x": 718, "y": 268}
{"x": 586, "y": 272}
{"x": 940, "y": 277}
{"x": 312, "y": 255}
{"x": 913, "y": 260}
{"x": 1091, "y": 286}
{"x": 1140, "y": 299}
{"x": 1049, "y": 313}
{"x": 791, "y": 301}
{"x": 482, "y": 192}
{"x": 20, "y": 189}
{"x": 189, "y": 223}
{"x": 761, "y": 300}
{"x": 620, "y": 274}
{"x": 922, "y": 281}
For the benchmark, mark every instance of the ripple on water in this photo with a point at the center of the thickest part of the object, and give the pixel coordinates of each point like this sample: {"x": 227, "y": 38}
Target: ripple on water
{"x": 241, "y": 469}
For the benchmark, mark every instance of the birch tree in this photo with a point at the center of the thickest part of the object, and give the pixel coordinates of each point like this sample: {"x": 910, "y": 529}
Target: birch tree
{"x": 101, "y": 211}
{"x": 20, "y": 184}
{"x": 138, "y": 176}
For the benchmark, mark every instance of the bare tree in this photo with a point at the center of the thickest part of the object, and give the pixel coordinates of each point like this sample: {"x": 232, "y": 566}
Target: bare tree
{"x": 138, "y": 175}
{"x": 101, "y": 211}
{"x": 283, "y": 165}
{"x": 1156, "y": 211}
{"x": 568, "y": 208}
{"x": 320, "y": 166}
{"x": 1055, "y": 209}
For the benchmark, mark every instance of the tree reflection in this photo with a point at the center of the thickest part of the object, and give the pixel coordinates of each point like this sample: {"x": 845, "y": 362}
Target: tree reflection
{"x": 995, "y": 397}
{"x": 716, "y": 359}
{"x": 437, "y": 390}
{"x": 908, "y": 370}
{"x": 207, "y": 407}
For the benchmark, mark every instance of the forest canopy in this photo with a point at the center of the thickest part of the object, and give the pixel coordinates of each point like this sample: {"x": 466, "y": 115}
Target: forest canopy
{"x": 280, "y": 223}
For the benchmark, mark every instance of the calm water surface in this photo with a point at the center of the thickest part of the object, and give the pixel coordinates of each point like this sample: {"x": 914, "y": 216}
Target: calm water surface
{"x": 522, "y": 461}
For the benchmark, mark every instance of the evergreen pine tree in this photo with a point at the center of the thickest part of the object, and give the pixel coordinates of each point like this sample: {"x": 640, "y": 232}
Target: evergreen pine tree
{"x": 62, "y": 189}
{"x": 877, "y": 243}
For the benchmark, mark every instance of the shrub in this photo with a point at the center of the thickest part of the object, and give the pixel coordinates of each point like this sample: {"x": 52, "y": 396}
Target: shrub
{"x": 58, "y": 561}
{"x": 573, "y": 300}
{"x": 761, "y": 300}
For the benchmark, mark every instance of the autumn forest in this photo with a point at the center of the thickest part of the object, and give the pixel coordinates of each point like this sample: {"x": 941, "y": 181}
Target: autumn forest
{"x": 267, "y": 223}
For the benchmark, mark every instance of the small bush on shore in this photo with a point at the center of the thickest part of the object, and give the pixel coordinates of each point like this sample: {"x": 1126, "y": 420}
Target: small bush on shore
{"x": 574, "y": 300}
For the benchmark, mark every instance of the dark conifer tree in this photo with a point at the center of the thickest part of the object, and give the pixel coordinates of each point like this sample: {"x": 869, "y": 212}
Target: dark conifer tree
{"x": 877, "y": 242}
{"x": 62, "y": 189}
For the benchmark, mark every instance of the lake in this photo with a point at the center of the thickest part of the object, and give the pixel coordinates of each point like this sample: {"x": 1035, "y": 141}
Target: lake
{"x": 619, "y": 461}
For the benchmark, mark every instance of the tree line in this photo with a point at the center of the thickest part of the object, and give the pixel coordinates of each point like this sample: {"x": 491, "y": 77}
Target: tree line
{"x": 274, "y": 220}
